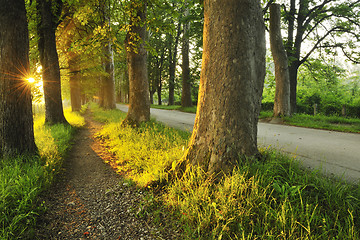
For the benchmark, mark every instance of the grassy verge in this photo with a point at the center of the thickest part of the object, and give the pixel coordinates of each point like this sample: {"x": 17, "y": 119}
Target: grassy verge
{"x": 275, "y": 199}
{"x": 21, "y": 180}
{"x": 335, "y": 123}
{"x": 325, "y": 122}
{"x": 175, "y": 107}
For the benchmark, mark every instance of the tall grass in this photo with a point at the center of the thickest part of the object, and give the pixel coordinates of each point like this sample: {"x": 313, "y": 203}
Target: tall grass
{"x": 271, "y": 199}
{"x": 146, "y": 152}
{"x": 21, "y": 180}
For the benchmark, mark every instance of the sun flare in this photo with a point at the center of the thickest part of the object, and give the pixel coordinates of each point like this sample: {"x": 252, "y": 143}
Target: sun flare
{"x": 31, "y": 80}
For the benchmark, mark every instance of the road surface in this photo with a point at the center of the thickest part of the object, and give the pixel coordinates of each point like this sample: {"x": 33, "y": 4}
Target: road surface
{"x": 334, "y": 153}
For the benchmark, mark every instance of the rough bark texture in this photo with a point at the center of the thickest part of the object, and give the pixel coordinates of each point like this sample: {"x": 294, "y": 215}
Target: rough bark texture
{"x": 49, "y": 12}
{"x": 231, "y": 83}
{"x": 282, "y": 79}
{"x": 139, "y": 99}
{"x": 16, "y": 120}
{"x": 186, "y": 100}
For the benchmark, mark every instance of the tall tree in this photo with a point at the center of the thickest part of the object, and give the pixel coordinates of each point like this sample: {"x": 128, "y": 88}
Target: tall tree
{"x": 319, "y": 23}
{"x": 282, "y": 92}
{"x": 139, "y": 98}
{"x": 186, "y": 86}
{"x": 16, "y": 120}
{"x": 231, "y": 83}
{"x": 49, "y": 13}
{"x": 74, "y": 81}
{"x": 107, "y": 98}
{"x": 173, "y": 42}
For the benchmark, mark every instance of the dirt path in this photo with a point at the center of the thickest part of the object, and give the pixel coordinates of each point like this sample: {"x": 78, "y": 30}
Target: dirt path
{"x": 89, "y": 201}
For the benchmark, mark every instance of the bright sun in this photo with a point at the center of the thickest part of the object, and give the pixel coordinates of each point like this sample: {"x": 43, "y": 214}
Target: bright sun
{"x": 31, "y": 80}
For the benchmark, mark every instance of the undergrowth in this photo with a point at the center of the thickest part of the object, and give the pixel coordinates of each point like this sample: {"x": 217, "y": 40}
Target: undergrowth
{"x": 21, "y": 180}
{"x": 272, "y": 199}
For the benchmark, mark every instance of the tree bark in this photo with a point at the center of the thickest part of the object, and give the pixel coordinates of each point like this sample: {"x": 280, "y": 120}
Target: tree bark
{"x": 282, "y": 79}
{"x": 293, "y": 47}
{"x": 139, "y": 99}
{"x": 186, "y": 100}
{"x": 231, "y": 83}
{"x": 74, "y": 80}
{"x": 49, "y": 12}
{"x": 108, "y": 81}
{"x": 16, "y": 119}
{"x": 172, "y": 64}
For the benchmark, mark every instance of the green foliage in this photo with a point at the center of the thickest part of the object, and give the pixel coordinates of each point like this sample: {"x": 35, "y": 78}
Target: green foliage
{"x": 323, "y": 83}
{"x": 271, "y": 199}
{"x": 325, "y": 122}
{"x": 22, "y": 179}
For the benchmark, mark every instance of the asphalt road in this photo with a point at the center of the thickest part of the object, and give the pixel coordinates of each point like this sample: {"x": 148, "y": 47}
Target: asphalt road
{"x": 333, "y": 153}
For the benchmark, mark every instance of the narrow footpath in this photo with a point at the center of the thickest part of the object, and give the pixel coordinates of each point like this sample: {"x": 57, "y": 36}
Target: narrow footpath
{"x": 90, "y": 201}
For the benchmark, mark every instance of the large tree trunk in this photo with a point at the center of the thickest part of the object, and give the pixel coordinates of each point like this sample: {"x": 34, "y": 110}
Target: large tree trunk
{"x": 186, "y": 100}
{"x": 293, "y": 47}
{"x": 50, "y": 61}
{"x": 282, "y": 79}
{"x": 293, "y": 73}
{"x": 231, "y": 83}
{"x": 16, "y": 120}
{"x": 139, "y": 100}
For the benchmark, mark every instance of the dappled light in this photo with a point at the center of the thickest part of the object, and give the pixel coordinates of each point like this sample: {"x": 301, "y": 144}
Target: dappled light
{"x": 179, "y": 119}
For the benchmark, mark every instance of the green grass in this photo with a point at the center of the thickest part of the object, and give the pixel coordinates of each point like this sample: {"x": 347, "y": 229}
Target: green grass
{"x": 175, "y": 107}
{"x": 274, "y": 199}
{"x": 146, "y": 152}
{"x": 335, "y": 123}
{"x": 21, "y": 180}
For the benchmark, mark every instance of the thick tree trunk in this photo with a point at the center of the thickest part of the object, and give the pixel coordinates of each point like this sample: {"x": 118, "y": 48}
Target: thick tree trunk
{"x": 282, "y": 79}
{"x": 50, "y": 61}
{"x": 139, "y": 99}
{"x": 186, "y": 100}
{"x": 231, "y": 83}
{"x": 16, "y": 119}
{"x": 293, "y": 73}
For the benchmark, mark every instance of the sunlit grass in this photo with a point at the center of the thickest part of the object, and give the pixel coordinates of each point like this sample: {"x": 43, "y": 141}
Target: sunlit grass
{"x": 21, "y": 180}
{"x": 270, "y": 199}
{"x": 145, "y": 152}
